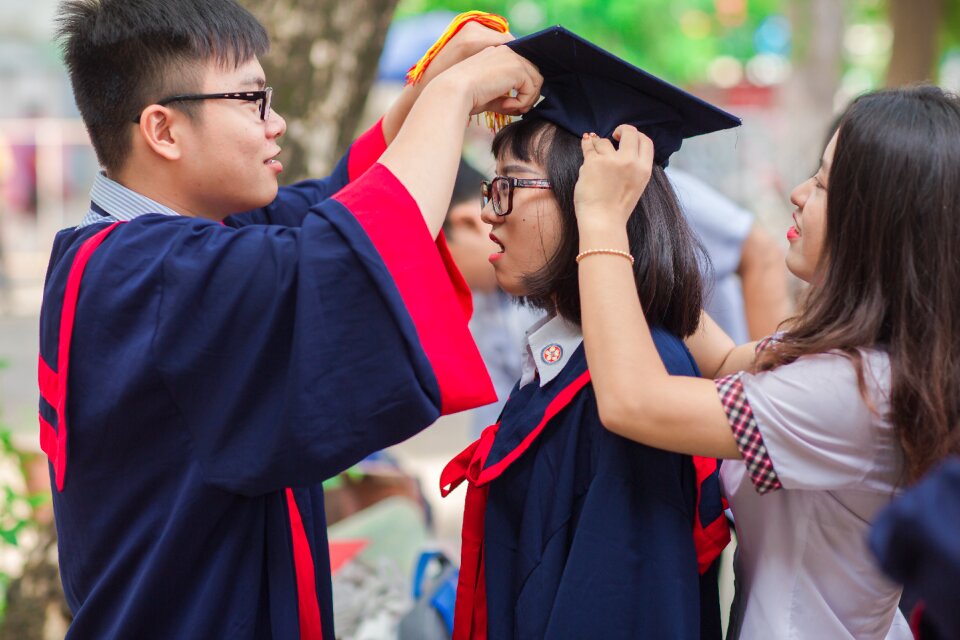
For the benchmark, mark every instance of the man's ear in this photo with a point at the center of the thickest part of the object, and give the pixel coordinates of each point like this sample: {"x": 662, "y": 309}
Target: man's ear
{"x": 160, "y": 129}
{"x": 466, "y": 215}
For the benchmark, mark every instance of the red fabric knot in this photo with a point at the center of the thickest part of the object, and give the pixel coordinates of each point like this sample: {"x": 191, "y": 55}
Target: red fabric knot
{"x": 468, "y": 464}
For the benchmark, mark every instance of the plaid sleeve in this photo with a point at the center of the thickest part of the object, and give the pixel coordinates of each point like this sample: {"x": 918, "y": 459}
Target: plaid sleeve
{"x": 747, "y": 433}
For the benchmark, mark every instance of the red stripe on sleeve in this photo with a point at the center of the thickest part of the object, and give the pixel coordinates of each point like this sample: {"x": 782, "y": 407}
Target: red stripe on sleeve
{"x": 429, "y": 283}
{"x": 310, "y": 628}
{"x": 366, "y": 150}
{"x": 49, "y": 384}
{"x": 48, "y": 439}
{"x": 67, "y": 315}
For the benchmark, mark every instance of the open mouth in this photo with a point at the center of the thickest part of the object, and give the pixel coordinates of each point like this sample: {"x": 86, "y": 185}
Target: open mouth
{"x": 796, "y": 223}
{"x": 272, "y": 159}
{"x": 497, "y": 242}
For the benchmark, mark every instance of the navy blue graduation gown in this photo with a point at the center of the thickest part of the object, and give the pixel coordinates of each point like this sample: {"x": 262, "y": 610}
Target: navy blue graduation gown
{"x": 571, "y": 531}
{"x": 917, "y": 540}
{"x": 215, "y": 375}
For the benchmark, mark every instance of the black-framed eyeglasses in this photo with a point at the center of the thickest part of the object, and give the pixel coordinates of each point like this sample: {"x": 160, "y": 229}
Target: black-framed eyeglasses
{"x": 500, "y": 191}
{"x": 261, "y": 98}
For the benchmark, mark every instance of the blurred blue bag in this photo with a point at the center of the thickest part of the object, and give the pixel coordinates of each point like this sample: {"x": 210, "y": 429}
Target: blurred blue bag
{"x": 434, "y": 594}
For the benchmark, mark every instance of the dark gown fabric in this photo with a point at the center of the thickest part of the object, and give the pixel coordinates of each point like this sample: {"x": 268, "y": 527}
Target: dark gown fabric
{"x": 586, "y": 534}
{"x": 218, "y": 373}
{"x": 917, "y": 541}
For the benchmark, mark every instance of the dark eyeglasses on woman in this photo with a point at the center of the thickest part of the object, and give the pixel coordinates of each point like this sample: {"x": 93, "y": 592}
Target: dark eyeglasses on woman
{"x": 500, "y": 191}
{"x": 261, "y": 98}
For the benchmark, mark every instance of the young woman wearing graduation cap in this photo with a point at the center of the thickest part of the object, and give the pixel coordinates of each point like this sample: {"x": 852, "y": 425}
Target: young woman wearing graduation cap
{"x": 859, "y": 395}
{"x": 571, "y": 531}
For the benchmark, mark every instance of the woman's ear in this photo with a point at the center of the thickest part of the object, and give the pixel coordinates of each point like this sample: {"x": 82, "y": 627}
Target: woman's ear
{"x": 159, "y": 129}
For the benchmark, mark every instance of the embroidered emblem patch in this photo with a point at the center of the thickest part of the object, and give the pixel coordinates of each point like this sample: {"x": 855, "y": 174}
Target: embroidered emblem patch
{"x": 551, "y": 353}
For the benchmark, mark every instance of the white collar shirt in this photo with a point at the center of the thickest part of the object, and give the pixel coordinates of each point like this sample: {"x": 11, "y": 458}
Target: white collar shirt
{"x": 547, "y": 349}
{"x": 119, "y": 202}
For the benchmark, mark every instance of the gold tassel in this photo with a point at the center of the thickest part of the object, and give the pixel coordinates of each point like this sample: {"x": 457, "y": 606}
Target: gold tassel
{"x": 495, "y": 121}
{"x": 489, "y": 20}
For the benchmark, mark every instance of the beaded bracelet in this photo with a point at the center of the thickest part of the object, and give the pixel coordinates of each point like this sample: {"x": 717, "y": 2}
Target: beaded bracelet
{"x": 612, "y": 252}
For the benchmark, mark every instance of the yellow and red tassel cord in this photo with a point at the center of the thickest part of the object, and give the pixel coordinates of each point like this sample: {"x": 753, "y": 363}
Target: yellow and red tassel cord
{"x": 495, "y": 121}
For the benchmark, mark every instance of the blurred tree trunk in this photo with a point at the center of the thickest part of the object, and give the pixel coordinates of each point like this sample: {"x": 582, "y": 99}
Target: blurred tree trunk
{"x": 808, "y": 98}
{"x": 818, "y": 64}
{"x": 322, "y": 63}
{"x": 916, "y": 38}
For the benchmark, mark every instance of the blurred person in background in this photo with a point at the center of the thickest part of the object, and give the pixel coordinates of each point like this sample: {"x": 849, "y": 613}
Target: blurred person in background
{"x": 746, "y": 290}
{"x": 499, "y": 320}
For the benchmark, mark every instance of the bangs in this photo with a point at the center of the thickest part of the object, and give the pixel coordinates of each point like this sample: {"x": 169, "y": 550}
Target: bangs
{"x": 526, "y": 140}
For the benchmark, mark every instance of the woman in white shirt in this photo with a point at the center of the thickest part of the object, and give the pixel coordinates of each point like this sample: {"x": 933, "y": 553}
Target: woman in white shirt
{"x": 860, "y": 394}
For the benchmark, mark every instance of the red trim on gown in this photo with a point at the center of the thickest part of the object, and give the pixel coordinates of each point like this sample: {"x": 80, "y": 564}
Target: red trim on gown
{"x": 432, "y": 288}
{"x": 307, "y": 602}
{"x": 366, "y": 150}
{"x": 53, "y": 386}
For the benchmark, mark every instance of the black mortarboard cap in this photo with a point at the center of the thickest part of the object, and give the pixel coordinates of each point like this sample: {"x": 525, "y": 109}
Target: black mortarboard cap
{"x": 587, "y": 89}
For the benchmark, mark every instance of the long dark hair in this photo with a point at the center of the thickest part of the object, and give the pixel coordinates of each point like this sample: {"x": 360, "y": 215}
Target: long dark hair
{"x": 667, "y": 271}
{"x": 891, "y": 272}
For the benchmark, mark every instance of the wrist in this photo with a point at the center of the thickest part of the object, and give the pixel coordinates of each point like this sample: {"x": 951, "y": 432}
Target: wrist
{"x": 451, "y": 89}
{"x": 600, "y": 226}
{"x": 597, "y": 237}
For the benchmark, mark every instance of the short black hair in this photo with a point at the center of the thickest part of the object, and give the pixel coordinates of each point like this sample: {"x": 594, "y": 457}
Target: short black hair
{"x": 668, "y": 255}
{"x": 123, "y": 55}
{"x": 465, "y": 188}
{"x": 467, "y": 185}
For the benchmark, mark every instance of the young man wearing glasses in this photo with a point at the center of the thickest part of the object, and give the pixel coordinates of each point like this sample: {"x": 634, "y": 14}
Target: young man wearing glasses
{"x": 203, "y": 370}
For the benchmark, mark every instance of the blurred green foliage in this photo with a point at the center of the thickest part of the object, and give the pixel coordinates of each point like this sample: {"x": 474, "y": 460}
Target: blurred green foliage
{"x": 950, "y": 33}
{"x": 16, "y": 509}
{"x": 676, "y": 39}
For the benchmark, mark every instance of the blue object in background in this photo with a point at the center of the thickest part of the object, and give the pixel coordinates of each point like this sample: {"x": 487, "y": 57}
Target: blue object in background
{"x": 434, "y": 593}
{"x": 407, "y": 40}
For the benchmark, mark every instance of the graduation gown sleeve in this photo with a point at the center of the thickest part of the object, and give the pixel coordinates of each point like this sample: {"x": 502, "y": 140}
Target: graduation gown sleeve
{"x": 291, "y": 353}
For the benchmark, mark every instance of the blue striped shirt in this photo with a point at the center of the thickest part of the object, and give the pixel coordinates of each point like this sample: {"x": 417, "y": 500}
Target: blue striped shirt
{"x": 119, "y": 202}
